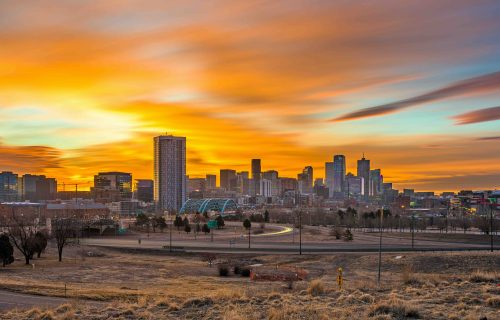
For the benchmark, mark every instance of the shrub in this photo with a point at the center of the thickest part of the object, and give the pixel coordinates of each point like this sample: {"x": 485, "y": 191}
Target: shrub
{"x": 316, "y": 288}
{"x": 237, "y": 269}
{"x": 245, "y": 272}
{"x": 493, "y": 302}
{"x": 348, "y": 235}
{"x": 337, "y": 232}
{"x": 223, "y": 271}
{"x": 479, "y": 276}
{"x": 396, "y": 308}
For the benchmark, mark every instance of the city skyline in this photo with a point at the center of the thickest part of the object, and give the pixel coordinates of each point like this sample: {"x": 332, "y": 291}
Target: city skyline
{"x": 413, "y": 86}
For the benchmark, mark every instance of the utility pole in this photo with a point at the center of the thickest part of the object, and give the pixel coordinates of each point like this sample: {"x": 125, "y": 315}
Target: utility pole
{"x": 491, "y": 226}
{"x": 413, "y": 230}
{"x": 170, "y": 246}
{"x": 380, "y": 247}
{"x": 300, "y": 232}
{"x": 249, "y": 237}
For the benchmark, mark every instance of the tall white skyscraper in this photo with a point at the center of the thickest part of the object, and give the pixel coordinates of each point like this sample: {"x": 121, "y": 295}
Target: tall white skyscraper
{"x": 170, "y": 172}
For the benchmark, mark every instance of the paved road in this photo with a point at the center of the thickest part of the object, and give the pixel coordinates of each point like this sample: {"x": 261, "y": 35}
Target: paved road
{"x": 11, "y": 300}
{"x": 363, "y": 243}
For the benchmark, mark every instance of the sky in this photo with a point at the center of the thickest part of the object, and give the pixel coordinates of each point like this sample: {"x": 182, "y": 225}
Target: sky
{"x": 414, "y": 85}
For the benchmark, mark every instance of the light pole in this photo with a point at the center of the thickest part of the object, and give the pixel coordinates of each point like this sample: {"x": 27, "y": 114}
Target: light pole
{"x": 380, "y": 247}
{"x": 491, "y": 226}
{"x": 170, "y": 236}
{"x": 249, "y": 228}
{"x": 300, "y": 232}
{"x": 413, "y": 230}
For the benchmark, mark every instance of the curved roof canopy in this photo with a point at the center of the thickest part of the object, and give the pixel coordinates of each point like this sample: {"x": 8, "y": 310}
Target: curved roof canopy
{"x": 205, "y": 205}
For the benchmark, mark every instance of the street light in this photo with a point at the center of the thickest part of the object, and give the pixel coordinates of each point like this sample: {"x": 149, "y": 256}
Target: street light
{"x": 300, "y": 232}
{"x": 380, "y": 247}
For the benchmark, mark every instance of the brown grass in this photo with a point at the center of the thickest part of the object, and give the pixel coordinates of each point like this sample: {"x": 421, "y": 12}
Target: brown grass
{"x": 396, "y": 308}
{"x": 482, "y": 276}
{"x": 316, "y": 288}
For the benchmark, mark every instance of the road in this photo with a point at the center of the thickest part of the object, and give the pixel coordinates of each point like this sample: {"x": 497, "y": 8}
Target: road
{"x": 11, "y": 300}
{"x": 282, "y": 242}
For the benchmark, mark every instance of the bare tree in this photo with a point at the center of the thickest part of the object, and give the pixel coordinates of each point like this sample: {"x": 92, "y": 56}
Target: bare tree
{"x": 22, "y": 235}
{"x": 63, "y": 230}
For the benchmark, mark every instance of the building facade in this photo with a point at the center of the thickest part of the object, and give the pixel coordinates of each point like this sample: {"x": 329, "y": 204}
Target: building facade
{"x": 364, "y": 172}
{"x": 339, "y": 173}
{"x": 170, "y": 172}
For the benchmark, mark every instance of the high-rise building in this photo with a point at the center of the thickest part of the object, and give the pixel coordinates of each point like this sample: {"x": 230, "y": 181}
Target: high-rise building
{"x": 409, "y": 192}
{"x": 329, "y": 177}
{"x": 211, "y": 181}
{"x": 144, "y": 190}
{"x": 354, "y": 186}
{"x": 364, "y": 172}
{"x": 305, "y": 180}
{"x": 8, "y": 186}
{"x": 36, "y": 187}
{"x": 243, "y": 182}
{"x": 375, "y": 182}
{"x": 117, "y": 186}
{"x": 287, "y": 184}
{"x": 170, "y": 172}
{"x": 256, "y": 176}
{"x": 338, "y": 173}
{"x": 197, "y": 184}
{"x": 266, "y": 187}
{"x": 228, "y": 179}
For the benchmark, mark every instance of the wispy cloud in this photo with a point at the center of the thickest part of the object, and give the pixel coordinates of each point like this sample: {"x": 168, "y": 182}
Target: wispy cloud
{"x": 488, "y": 138}
{"x": 481, "y": 115}
{"x": 482, "y": 83}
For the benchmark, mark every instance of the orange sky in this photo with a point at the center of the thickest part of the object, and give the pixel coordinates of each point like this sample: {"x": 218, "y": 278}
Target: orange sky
{"x": 84, "y": 87}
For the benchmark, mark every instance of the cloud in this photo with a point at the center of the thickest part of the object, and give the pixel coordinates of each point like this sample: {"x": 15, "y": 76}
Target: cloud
{"x": 488, "y": 82}
{"x": 488, "y": 138}
{"x": 481, "y": 115}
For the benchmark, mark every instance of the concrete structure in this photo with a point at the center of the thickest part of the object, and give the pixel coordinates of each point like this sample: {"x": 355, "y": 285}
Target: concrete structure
{"x": 144, "y": 190}
{"x": 364, "y": 172}
{"x": 339, "y": 173}
{"x": 305, "y": 180}
{"x": 170, "y": 172}
{"x": 256, "y": 176}
{"x": 228, "y": 179}
{"x": 112, "y": 186}
{"x": 8, "y": 186}
{"x": 211, "y": 181}
{"x": 376, "y": 182}
{"x": 329, "y": 177}
{"x": 266, "y": 187}
{"x": 355, "y": 186}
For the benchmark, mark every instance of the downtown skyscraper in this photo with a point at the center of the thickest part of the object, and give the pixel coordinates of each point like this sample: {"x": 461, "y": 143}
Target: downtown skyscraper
{"x": 170, "y": 172}
{"x": 339, "y": 173}
{"x": 364, "y": 172}
{"x": 256, "y": 176}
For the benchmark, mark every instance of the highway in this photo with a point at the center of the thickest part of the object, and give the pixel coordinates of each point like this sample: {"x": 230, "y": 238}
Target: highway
{"x": 280, "y": 241}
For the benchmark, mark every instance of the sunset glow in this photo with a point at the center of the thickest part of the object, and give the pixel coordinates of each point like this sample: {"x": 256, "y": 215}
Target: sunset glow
{"x": 86, "y": 85}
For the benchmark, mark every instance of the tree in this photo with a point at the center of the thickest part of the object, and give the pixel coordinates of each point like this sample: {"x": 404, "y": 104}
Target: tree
{"x": 141, "y": 219}
{"x": 161, "y": 223}
{"x": 40, "y": 243}
{"x": 187, "y": 228}
{"x": 21, "y": 234}
{"x": 348, "y": 235}
{"x": 220, "y": 222}
{"x": 205, "y": 228}
{"x": 178, "y": 223}
{"x": 266, "y": 216}
{"x": 63, "y": 230}
{"x": 247, "y": 224}
{"x": 6, "y": 250}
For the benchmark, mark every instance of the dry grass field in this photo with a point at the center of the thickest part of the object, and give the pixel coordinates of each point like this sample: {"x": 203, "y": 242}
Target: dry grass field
{"x": 133, "y": 285}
